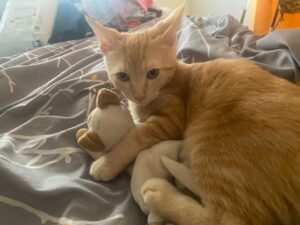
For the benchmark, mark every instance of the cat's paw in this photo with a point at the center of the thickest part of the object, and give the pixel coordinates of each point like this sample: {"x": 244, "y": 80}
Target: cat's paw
{"x": 102, "y": 169}
{"x": 158, "y": 196}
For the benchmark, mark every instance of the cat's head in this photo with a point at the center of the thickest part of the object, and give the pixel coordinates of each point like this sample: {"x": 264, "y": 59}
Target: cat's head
{"x": 140, "y": 63}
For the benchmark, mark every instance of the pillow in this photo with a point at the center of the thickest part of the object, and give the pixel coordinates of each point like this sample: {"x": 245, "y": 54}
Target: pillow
{"x": 26, "y": 25}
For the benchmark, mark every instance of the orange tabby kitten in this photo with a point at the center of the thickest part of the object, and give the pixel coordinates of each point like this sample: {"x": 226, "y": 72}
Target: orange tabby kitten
{"x": 240, "y": 125}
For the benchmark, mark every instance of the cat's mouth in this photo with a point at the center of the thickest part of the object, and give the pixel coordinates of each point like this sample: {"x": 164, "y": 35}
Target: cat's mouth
{"x": 145, "y": 101}
{"x": 141, "y": 103}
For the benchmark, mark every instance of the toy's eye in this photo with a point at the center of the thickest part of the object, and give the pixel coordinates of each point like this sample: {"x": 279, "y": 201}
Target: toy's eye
{"x": 152, "y": 74}
{"x": 122, "y": 76}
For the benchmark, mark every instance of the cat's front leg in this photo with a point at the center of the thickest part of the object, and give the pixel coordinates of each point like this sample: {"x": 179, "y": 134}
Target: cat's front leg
{"x": 166, "y": 201}
{"x": 154, "y": 130}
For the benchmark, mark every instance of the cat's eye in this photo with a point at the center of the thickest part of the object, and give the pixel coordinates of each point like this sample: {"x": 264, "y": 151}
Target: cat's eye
{"x": 152, "y": 74}
{"x": 122, "y": 76}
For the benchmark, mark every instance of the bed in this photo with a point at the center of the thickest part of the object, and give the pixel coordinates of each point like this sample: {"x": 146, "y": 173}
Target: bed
{"x": 46, "y": 95}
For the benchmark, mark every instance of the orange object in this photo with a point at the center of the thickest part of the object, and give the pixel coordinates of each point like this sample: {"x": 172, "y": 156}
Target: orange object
{"x": 265, "y": 10}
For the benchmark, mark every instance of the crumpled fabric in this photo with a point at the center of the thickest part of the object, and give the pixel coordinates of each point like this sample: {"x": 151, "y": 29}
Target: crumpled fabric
{"x": 145, "y": 4}
{"x": 120, "y": 14}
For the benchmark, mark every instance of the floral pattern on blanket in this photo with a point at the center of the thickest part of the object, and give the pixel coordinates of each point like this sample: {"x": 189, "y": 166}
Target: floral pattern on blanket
{"x": 46, "y": 95}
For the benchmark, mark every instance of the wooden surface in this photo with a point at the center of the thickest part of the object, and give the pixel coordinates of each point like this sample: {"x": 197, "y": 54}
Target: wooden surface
{"x": 265, "y": 10}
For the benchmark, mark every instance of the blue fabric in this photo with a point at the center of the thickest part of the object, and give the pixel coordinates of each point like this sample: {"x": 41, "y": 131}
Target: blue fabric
{"x": 69, "y": 24}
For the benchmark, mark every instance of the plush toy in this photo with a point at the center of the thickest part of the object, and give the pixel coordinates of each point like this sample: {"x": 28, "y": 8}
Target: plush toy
{"x": 150, "y": 164}
{"x": 107, "y": 124}
{"x": 110, "y": 115}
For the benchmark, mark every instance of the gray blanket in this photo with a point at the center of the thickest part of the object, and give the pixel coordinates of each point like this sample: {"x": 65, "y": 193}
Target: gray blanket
{"x": 46, "y": 95}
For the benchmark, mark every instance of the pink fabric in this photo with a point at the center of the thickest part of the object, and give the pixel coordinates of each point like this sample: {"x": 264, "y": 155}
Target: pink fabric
{"x": 145, "y": 4}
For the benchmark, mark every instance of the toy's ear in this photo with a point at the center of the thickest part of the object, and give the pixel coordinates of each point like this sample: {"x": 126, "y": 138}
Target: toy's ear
{"x": 108, "y": 38}
{"x": 89, "y": 140}
{"x": 182, "y": 173}
{"x": 106, "y": 98}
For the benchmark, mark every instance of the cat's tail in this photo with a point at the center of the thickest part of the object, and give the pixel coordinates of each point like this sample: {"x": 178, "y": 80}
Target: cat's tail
{"x": 181, "y": 173}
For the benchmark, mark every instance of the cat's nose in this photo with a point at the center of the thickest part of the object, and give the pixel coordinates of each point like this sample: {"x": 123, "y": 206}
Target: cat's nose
{"x": 140, "y": 98}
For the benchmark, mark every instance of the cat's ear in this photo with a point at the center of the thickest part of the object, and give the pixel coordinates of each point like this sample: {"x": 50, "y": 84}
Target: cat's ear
{"x": 107, "y": 37}
{"x": 167, "y": 28}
